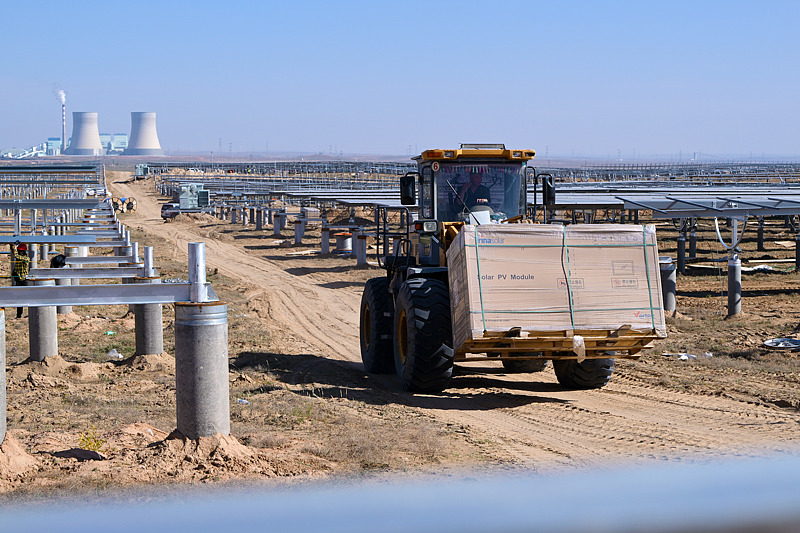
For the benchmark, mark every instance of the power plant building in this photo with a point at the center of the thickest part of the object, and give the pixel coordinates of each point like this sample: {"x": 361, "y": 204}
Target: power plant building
{"x": 120, "y": 142}
{"x": 144, "y": 137}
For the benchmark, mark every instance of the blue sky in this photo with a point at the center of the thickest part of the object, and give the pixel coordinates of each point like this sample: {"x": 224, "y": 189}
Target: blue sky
{"x": 603, "y": 79}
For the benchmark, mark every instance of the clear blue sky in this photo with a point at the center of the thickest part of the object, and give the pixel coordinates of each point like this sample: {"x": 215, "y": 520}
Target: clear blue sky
{"x": 584, "y": 78}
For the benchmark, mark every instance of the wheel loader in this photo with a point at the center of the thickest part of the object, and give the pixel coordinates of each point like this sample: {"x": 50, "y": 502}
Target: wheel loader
{"x": 475, "y": 278}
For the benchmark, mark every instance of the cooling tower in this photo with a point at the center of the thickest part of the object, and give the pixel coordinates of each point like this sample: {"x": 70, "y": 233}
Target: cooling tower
{"x": 144, "y": 138}
{"x": 85, "y": 135}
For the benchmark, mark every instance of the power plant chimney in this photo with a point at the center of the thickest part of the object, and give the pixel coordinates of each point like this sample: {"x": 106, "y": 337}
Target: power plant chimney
{"x": 85, "y": 135}
{"x": 144, "y": 138}
{"x": 63, "y": 128}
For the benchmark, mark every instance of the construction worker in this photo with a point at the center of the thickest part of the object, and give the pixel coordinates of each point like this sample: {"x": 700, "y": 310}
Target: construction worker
{"x": 19, "y": 267}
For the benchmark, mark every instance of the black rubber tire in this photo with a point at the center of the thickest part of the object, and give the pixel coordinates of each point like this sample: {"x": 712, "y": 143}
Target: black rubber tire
{"x": 590, "y": 374}
{"x": 376, "y": 327}
{"x": 526, "y": 365}
{"x": 423, "y": 353}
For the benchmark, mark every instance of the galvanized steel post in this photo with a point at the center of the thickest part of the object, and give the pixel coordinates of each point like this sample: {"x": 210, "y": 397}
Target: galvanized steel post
{"x": 734, "y": 285}
{"x": 760, "y": 246}
{"x": 42, "y": 327}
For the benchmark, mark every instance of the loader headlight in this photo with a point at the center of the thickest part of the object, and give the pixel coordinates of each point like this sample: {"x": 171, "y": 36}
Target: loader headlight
{"x": 426, "y": 226}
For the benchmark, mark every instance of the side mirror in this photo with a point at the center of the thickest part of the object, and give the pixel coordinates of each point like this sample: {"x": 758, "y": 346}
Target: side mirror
{"x": 408, "y": 188}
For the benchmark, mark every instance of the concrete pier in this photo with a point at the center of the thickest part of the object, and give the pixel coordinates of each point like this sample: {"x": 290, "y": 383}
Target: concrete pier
{"x": 201, "y": 369}
{"x": 734, "y": 285}
{"x": 361, "y": 250}
{"x": 148, "y": 326}
{"x": 668, "y": 283}
{"x": 3, "y": 411}
{"x": 42, "y": 327}
{"x": 326, "y": 240}
{"x": 280, "y": 220}
{"x": 682, "y": 254}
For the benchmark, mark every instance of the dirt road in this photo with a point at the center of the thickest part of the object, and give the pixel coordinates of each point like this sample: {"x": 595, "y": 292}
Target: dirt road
{"x": 520, "y": 419}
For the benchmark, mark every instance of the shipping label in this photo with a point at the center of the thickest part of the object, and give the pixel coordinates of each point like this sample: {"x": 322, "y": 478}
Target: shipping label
{"x": 625, "y": 283}
{"x": 574, "y": 283}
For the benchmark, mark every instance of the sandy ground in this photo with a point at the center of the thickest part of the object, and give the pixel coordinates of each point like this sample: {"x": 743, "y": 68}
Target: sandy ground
{"x": 743, "y": 401}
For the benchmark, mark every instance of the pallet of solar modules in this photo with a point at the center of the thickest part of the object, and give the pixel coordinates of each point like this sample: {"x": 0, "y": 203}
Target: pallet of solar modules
{"x": 564, "y": 292}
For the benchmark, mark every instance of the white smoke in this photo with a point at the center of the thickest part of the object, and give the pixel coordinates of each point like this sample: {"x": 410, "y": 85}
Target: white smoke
{"x": 61, "y": 95}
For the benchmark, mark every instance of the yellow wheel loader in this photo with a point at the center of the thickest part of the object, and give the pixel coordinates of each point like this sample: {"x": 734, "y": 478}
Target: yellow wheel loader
{"x": 477, "y": 279}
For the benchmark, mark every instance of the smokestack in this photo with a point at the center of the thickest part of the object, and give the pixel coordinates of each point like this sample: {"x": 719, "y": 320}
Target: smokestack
{"x": 62, "y": 97}
{"x": 85, "y": 135}
{"x": 63, "y": 128}
{"x": 144, "y": 138}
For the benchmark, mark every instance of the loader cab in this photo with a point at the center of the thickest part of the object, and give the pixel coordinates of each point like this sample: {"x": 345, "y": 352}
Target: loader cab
{"x": 476, "y": 184}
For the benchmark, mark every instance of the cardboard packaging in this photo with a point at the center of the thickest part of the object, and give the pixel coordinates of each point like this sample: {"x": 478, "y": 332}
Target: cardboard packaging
{"x": 547, "y": 278}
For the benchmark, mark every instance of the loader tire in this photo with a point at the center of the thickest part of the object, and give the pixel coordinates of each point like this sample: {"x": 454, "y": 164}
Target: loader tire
{"x": 423, "y": 353}
{"x": 526, "y": 365}
{"x": 590, "y": 374}
{"x": 376, "y": 327}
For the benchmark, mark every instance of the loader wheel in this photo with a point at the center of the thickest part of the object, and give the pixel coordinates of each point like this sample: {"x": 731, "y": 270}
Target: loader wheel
{"x": 590, "y": 374}
{"x": 376, "y": 327}
{"x": 526, "y": 365}
{"x": 423, "y": 353}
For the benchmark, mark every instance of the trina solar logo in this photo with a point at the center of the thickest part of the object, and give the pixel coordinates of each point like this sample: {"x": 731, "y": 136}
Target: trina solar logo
{"x": 490, "y": 240}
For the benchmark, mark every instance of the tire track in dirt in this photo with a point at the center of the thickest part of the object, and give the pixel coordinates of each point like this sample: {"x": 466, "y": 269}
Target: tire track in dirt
{"x": 522, "y": 419}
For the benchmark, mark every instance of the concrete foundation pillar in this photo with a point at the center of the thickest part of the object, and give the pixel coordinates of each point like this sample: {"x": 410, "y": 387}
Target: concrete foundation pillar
{"x": 233, "y": 215}
{"x": 668, "y": 283}
{"x": 797, "y": 252}
{"x": 201, "y": 369}
{"x": 259, "y": 219}
{"x": 252, "y": 216}
{"x": 3, "y": 412}
{"x": 354, "y": 243}
{"x": 734, "y": 285}
{"x": 299, "y": 231}
{"x": 326, "y": 240}
{"x": 63, "y": 309}
{"x": 245, "y": 217}
{"x": 682, "y": 254}
{"x": 361, "y": 250}
{"x": 280, "y": 219}
{"x": 42, "y": 327}
{"x": 149, "y": 326}
{"x": 33, "y": 255}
